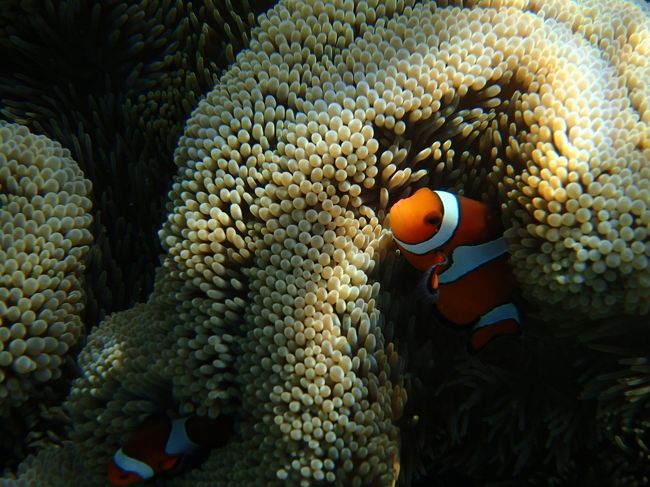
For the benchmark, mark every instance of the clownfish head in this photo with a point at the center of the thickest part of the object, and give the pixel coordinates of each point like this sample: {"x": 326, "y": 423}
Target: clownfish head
{"x": 164, "y": 446}
{"x": 415, "y": 220}
{"x": 144, "y": 455}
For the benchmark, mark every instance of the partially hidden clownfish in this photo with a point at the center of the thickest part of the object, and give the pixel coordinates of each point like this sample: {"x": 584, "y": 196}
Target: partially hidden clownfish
{"x": 458, "y": 242}
{"x": 162, "y": 445}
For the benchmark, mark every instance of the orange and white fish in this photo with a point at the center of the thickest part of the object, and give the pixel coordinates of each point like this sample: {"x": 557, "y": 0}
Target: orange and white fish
{"x": 164, "y": 445}
{"x": 459, "y": 243}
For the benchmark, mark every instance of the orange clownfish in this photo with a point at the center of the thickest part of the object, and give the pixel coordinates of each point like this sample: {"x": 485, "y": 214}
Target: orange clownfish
{"x": 459, "y": 243}
{"x": 165, "y": 445}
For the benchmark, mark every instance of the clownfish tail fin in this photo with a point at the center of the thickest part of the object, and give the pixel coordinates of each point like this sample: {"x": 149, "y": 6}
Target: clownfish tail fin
{"x": 503, "y": 320}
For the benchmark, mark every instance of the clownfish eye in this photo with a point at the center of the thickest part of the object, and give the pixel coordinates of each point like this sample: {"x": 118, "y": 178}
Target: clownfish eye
{"x": 432, "y": 219}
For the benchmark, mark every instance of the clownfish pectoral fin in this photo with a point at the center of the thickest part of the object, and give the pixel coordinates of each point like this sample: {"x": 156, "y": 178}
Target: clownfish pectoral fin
{"x": 500, "y": 321}
{"x": 118, "y": 477}
{"x": 168, "y": 463}
{"x": 427, "y": 288}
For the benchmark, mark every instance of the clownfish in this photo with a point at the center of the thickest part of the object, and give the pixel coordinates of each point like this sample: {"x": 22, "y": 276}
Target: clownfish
{"x": 164, "y": 445}
{"x": 458, "y": 242}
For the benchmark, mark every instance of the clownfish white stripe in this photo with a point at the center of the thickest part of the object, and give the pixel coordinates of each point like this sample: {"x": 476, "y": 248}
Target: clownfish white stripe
{"x": 178, "y": 441}
{"x": 129, "y": 464}
{"x": 450, "y": 219}
{"x": 467, "y": 258}
{"x": 503, "y": 312}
